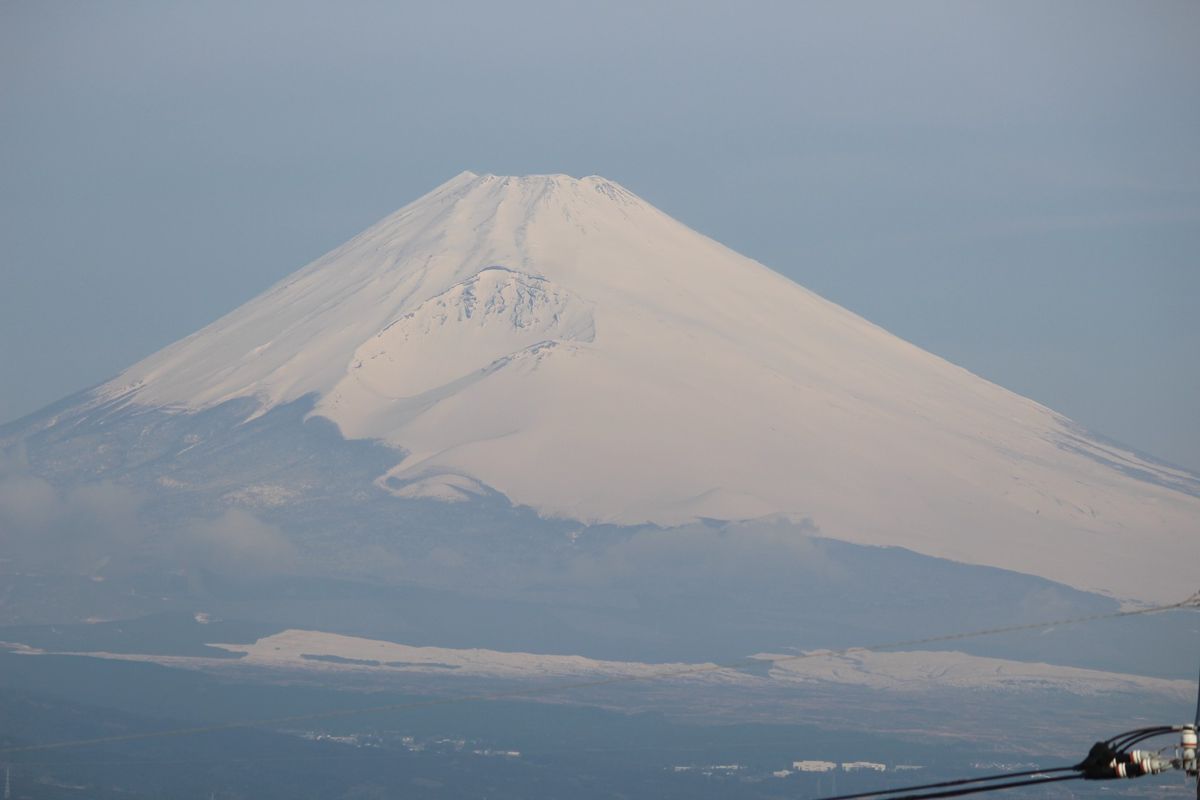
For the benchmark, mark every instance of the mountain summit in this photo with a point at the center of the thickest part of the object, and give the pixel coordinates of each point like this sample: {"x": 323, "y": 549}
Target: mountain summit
{"x": 565, "y": 343}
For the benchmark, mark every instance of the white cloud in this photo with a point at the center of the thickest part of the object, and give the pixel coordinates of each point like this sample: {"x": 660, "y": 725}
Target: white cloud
{"x": 237, "y": 543}
{"x": 102, "y": 528}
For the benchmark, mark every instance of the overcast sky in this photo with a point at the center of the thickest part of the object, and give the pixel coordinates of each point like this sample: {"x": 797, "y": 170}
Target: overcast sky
{"x": 1014, "y": 186}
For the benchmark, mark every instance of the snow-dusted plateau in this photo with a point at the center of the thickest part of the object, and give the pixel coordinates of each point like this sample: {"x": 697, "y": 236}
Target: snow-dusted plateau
{"x": 907, "y": 672}
{"x": 936, "y": 696}
{"x": 539, "y": 413}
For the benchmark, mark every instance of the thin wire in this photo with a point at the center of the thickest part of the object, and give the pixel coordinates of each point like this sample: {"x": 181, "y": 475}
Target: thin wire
{"x": 378, "y": 752}
{"x": 958, "y": 782}
{"x": 175, "y": 762}
{"x": 545, "y": 689}
{"x": 993, "y": 788}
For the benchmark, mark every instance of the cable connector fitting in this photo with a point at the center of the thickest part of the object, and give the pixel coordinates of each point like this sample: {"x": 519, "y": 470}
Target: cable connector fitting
{"x": 1187, "y": 750}
{"x": 1105, "y": 764}
{"x": 1139, "y": 763}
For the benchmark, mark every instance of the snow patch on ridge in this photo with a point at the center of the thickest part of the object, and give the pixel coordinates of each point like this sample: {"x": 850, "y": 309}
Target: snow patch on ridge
{"x": 479, "y": 322}
{"x": 901, "y": 671}
{"x": 446, "y": 488}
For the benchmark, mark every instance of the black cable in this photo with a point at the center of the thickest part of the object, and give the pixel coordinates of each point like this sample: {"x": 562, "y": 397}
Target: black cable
{"x": 1123, "y": 748}
{"x": 1139, "y": 739}
{"x": 1197, "y": 724}
{"x": 1131, "y": 741}
{"x": 1197, "y": 727}
{"x": 993, "y": 788}
{"x": 957, "y": 782}
{"x": 1112, "y": 740}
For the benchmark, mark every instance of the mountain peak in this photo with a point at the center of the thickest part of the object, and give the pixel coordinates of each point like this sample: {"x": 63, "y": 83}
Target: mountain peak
{"x": 565, "y": 343}
{"x": 298, "y": 336}
{"x": 548, "y": 188}
{"x": 537, "y": 179}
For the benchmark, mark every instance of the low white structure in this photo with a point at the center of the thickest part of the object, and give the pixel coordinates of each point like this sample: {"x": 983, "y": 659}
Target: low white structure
{"x": 814, "y": 766}
{"x": 853, "y": 766}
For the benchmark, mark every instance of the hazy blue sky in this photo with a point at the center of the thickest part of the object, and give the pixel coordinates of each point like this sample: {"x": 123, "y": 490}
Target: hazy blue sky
{"x": 1014, "y": 186}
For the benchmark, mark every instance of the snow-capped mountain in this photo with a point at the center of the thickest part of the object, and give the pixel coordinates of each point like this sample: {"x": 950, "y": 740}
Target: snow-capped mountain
{"x": 563, "y": 342}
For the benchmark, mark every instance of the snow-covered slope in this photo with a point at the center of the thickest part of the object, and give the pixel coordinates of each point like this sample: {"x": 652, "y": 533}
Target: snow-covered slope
{"x": 569, "y": 345}
{"x": 902, "y": 671}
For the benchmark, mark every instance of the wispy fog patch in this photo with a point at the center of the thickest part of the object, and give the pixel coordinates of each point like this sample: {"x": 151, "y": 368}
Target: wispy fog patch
{"x": 25, "y": 504}
{"x": 101, "y": 529}
{"x": 237, "y": 543}
{"x": 702, "y": 557}
{"x": 84, "y": 529}
{"x": 1049, "y": 602}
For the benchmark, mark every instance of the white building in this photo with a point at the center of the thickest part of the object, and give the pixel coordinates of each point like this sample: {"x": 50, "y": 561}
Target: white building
{"x": 814, "y": 766}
